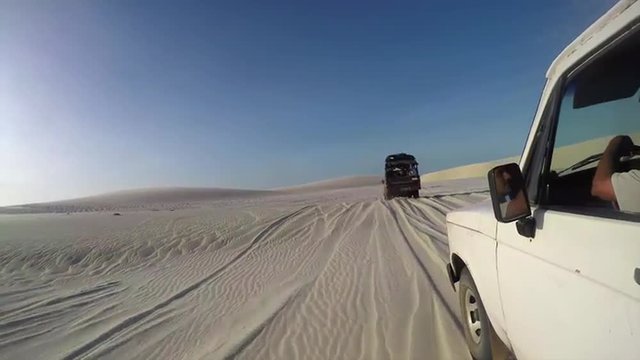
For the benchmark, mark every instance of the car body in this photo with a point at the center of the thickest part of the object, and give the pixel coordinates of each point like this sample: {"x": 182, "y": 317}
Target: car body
{"x": 401, "y": 176}
{"x": 569, "y": 288}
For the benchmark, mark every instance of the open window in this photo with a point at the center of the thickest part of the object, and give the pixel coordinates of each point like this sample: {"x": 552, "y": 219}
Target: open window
{"x": 402, "y": 170}
{"x": 599, "y": 101}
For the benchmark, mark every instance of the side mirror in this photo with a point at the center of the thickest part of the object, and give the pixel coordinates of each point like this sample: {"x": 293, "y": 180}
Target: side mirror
{"x": 508, "y": 193}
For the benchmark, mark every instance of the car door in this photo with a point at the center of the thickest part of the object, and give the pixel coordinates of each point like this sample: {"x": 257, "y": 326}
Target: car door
{"x": 572, "y": 291}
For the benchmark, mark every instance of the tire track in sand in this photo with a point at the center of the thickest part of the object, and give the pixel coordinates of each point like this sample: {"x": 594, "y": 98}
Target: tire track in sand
{"x": 299, "y": 309}
{"x": 452, "y": 314}
{"x": 105, "y": 336}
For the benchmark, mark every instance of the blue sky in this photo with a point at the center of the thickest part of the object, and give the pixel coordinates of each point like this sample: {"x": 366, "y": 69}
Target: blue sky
{"x": 97, "y": 96}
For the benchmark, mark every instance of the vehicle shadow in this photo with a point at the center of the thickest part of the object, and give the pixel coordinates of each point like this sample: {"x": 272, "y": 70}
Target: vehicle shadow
{"x": 499, "y": 351}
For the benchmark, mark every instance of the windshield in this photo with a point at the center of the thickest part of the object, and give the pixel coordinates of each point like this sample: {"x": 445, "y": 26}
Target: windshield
{"x": 586, "y": 131}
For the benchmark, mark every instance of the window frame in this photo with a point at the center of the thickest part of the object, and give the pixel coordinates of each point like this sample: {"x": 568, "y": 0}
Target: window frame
{"x": 550, "y": 119}
{"x": 540, "y": 145}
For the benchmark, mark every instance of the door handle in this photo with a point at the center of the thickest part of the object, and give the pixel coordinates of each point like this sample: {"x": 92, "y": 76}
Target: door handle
{"x": 636, "y": 275}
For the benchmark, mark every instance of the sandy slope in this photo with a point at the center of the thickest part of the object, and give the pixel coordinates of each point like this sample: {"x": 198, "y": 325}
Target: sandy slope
{"x": 478, "y": 170}
{"x": 338, "y": 274}
{"x": 333, "y": 184}
{"x": 149, "y": 198}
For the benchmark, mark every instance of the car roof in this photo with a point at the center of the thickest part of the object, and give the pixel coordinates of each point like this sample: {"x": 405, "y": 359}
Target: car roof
{"x": 614, "y": 20}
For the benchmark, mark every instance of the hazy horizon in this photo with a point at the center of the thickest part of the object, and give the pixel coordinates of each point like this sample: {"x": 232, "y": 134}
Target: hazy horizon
{"x": 103, "y": 96}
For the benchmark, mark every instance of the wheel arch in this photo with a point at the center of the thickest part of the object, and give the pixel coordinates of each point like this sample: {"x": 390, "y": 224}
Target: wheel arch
{"x": 454, "y": 269}
{"x": 458, "y": 264}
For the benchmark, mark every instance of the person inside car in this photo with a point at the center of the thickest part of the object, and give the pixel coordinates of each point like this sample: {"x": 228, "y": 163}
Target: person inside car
{"x": 621, "y": 188}
{"x": 511, "y": 195}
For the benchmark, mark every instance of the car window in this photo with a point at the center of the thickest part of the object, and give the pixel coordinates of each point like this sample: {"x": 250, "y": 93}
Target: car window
{"x": 586, "y": 131}
{"x": 599, "y": 102}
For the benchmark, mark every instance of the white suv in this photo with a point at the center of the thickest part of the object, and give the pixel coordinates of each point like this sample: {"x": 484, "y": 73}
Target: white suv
{"x": 551, "y": 265}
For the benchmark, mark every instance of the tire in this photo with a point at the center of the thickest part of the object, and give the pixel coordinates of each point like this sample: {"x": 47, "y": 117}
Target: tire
{"x": 416, "y": 194}
{"x": 474, "y": 316}
{"x": 387, "y": 194}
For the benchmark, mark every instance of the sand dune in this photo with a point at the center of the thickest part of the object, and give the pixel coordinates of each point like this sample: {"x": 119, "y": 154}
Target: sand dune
{"x": 334, "y": 275}
{"x": 180, "y": 197}
{"x": 150, "y": 198}
{"x": 333, "y": 184}
{"x": 478, "y": 170}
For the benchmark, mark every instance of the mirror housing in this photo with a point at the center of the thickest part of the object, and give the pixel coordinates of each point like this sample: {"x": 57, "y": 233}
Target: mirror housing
{"x": 508, "y": 194}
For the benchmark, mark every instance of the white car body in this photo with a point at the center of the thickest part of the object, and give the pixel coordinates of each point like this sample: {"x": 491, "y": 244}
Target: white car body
{"x": 573, "y": 290}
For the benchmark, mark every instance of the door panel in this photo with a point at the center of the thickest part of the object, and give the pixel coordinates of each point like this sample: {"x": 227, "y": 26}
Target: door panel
{"x": 570, "y": 292}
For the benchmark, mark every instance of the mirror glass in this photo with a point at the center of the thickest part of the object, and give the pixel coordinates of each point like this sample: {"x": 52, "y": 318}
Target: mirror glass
{"x": 508, "y": 193}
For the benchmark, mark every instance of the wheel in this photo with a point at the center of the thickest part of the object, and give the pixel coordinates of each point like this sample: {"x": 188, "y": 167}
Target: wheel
{"x": 416, "y": 194}
{"x": 387, "y": 194}
{"x": 477, "y": 327}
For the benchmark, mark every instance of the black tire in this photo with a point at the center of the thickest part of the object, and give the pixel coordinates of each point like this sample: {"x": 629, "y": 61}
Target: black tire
{"x": 416, "y": 194}
{"x": 479, "y": 343}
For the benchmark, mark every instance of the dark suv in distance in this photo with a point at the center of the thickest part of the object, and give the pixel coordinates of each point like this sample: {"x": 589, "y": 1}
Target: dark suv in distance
{"x": 401, "y": 177}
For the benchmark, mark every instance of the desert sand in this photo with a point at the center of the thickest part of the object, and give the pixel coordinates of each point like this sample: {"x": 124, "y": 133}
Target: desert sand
{"x": 327, "y": 271}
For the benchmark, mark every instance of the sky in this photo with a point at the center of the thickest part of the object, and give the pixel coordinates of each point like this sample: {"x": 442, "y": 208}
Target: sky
{"x": 97, "y": 96}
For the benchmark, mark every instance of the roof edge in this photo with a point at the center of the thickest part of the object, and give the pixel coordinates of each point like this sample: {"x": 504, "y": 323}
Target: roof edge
{"x": 588, "y": 34}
